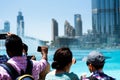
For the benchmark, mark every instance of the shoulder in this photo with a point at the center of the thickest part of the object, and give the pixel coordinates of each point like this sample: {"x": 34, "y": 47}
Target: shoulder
{"x": 100, "y": 76}
{"x": 91, "y": 78}
{"x": 111, "y": 78}
{"x": 73, "y": 76}
{"x": 38, "y": 67}
{"x": 51, "y": 75}
{"x": 62, "y": 76}
{"x": 42, "y": 63}
{"x": 107, "y": 76}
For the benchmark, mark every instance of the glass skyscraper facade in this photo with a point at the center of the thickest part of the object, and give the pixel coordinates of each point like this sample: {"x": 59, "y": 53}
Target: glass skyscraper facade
{"x": 78, "y": 25}
{"x": 106, "y": 18}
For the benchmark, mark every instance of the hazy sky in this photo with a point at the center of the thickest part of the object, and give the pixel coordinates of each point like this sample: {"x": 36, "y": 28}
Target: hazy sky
{"x": 38, "y": 14}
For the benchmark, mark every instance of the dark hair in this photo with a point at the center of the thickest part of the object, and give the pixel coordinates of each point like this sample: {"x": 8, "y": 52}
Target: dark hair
{"x": 14, "y": 45}
{"x": 25, "y": 47}
{"x": 97, "y": 66}
{"x": 62, "y": 57}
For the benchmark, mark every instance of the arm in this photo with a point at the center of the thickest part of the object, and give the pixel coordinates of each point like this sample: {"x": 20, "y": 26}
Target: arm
{"x": 39, "y": 66}
{"x": 44, "y": 72}
{"x": 44, "y": 52}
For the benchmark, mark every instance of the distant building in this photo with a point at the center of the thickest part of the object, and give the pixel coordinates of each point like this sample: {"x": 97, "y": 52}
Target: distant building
{"x": 69, "y": 31}
{"x": 54, "y": 29}
{"x": 4, "y": 30}
{"x": 20, "y": 24}
{"x": 6, "y": 27}
{"x": 78, "y": 25}
{"x": 106, "y": 19}
{"x": 66, "y": 42}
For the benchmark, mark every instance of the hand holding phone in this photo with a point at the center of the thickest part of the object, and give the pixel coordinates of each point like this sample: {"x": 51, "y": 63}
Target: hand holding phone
{"x": 3, "y": 36}
{"x": 39, "y": 49}
{"x": 43, "y": 50}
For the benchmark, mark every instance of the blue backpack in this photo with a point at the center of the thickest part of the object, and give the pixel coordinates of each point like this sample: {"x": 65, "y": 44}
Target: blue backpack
{"x": 27, "y": 75}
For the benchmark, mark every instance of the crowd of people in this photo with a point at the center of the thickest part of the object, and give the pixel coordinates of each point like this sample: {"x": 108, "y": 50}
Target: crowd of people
{"x": 62, "y": 60}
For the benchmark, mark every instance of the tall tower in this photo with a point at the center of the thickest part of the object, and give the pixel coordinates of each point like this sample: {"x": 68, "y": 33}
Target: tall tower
{"x": 78, "y": 25}
{"x": 54, "y": 29}
{"x": 6, "y": 26}
{"x": 106, "y": 18}
{"x": 20, "y": 24}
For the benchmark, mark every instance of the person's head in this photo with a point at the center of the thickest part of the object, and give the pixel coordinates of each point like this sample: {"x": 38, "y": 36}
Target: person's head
{"x": 62, "y": 58}
{"x": 13, "y": 44}
{"x": 25, "y": 49}
{"x": 33, "y": 57}
{"x": 95, "y": 61}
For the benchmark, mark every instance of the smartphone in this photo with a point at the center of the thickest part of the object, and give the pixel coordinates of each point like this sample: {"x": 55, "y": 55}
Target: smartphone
{"x": 3, "y": 35}
{"x": 39, "y": 49}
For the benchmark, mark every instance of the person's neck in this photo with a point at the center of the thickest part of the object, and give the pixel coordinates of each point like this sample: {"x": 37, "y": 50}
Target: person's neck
{"x": 61, "y": 71}
{"x": 65, "y": 69}
{"x": 99, "y": 70}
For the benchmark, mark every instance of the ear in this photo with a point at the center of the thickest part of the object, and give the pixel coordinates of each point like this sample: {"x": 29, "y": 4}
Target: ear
{"x": 91, "y": 67}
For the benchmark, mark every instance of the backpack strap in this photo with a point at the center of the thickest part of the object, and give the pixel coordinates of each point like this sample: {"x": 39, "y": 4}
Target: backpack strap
{"x": 8, "y": 67}
{"x": 29, "y": 67}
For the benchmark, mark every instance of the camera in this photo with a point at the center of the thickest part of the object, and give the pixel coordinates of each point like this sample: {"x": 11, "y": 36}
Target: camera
{"x": 39, "y": 49}
{"x": 3, "y": 35}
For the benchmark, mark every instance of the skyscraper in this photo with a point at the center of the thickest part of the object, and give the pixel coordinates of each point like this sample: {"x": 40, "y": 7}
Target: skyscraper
{"x": 106, "y": 18}
{"x": 20, "y": 24}
{"x": 6, "y": 26}
{"x": 69, "y": 31}
{"x": 54, "y": 29}
{"x": 78, "y": 25}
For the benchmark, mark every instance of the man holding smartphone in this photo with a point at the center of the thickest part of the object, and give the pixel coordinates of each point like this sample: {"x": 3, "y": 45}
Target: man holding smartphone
{"x": 14, "y": 49}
